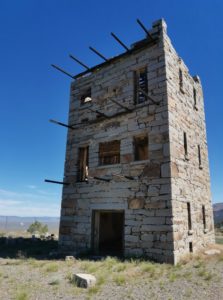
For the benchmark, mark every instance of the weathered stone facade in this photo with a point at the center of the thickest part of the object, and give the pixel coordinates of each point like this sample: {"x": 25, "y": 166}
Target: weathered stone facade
{"x": 165, "y": 198}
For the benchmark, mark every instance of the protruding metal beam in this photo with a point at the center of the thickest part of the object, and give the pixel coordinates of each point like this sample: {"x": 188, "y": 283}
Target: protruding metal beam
{"x": 149, "y": 97}
{"x": 79, "y": 62}
{"x": 98, "y": 112}
{"x": 102, "y": 179}
{"x": 119, "y": 41}
{"x": 98, "y": 53}
{"x": 124, "y": 176}
{"x": 129, "y": 177}
{"x": 57, "y": 182}
{"x": 121, "y": 105}
{"x": 144, "y": 28}
{"x": 61, "y": 70}
{"x": 61, "y": 124}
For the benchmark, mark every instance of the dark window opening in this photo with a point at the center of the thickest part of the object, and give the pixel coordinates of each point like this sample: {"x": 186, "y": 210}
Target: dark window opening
{"x": 185, "y": 146}
{"x": 189, "y": 216}
{"x": 190, "y": 247}
{"x": 204, "y": 217}
{"x": 82, "y": 174}
{"x": 199, "y": 156}
{"x": 141, "y": 85}
{"x": 195, "y": 98}
{"x": 86, "y": 96}
{"x": 109, "y": 153}
{"x": 108, "y": 232}
{"x": 141, "y": 148}
{"x": 181, "y": 79}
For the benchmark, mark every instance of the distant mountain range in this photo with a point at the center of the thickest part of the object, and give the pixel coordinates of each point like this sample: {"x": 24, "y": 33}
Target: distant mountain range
{"x": 218, "y": 212}
{"x": 21, "y": 224}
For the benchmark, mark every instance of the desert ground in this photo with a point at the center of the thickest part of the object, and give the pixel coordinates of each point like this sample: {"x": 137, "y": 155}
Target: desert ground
{"x": 27, "y": 272}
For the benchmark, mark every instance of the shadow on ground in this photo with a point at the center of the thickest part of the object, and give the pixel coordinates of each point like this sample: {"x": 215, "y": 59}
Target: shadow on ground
{"x": 28, "y": 248}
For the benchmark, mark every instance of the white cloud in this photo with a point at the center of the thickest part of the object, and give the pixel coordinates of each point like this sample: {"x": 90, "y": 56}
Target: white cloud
{"x": 30, "y": 186}
{"x": 37, "y": 203}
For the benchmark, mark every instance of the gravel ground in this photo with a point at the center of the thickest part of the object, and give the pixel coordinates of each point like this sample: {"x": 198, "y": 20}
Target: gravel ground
{"x": 195, "y": 278}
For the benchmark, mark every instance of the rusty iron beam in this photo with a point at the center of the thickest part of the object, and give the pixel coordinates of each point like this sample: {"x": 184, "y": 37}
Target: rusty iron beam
{"x": 63, "y": 71}
{"x": 79, "y": 62}
{"x": 119, "y": 41}
{"x": 149, "y": 97}
{"x": 57, "y": 182}
{"x": 121, "y": 105}
{"x": 98, "y": 112}
{"x": 98, "y": 53}
{"x": 145, "y": 29}
{"x": 61, "y": 124}
{"x": 102, "y": 179}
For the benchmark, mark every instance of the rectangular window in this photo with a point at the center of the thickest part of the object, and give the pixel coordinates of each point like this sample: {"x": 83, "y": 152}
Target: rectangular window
{"x": 204, "y": 217}
{"x": 86, "y": 96}
{"x": 141, "y": 85}
{"x": 191, "y": 247}
{"x": 181, "y": 79}
{"x": 199, "y": 156}
{"x": 189, "y": 216}
{"x": 82, "y": 174}
{"x": 141, "y": 148}
{"x": 195, "y": 98}
{"x": 109, "y": 153}
{"x": 185, "y": 146}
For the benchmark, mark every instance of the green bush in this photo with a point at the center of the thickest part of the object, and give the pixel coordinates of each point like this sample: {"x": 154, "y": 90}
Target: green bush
{"x": 37, "y": 227}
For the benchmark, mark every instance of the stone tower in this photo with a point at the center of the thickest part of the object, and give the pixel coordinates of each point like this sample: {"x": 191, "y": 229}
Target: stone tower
{"x": 136, "y": 164}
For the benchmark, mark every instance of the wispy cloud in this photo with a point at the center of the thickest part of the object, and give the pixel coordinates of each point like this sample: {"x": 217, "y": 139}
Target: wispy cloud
{"x": 32, "y": 187}
{"x": 36, "y": 203}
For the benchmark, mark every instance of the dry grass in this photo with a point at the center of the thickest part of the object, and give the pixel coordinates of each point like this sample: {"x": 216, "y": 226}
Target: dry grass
{"x": 56, "y": 277}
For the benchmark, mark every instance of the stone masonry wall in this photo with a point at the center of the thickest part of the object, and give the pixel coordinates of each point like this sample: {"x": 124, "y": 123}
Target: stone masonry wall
{"x": 155, "y": 203}
{"x": 146, "y": 201}
{"x": 190, "y": 181}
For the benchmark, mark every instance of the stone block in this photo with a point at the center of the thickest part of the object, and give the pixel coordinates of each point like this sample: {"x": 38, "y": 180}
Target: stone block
{"x": 165, "y": 170}
{"x": 151, "y": 170}
{"x": 84, "y": 280}
{"x": 136, "y": 203}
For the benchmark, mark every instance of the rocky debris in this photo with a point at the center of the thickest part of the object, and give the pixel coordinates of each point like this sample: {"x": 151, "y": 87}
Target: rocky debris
{"x": 212, "y": 252}
{"x": 84, "y": 280}
{"x": 69, "y": 258}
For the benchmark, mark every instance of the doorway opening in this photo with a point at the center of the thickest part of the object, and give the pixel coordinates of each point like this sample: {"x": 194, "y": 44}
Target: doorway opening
{"x": 108, "y": 232}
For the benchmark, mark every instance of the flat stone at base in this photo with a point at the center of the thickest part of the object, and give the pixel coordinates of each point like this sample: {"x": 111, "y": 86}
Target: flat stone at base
{"x": 69, "y": 257}
{"x": 84, "y": 280}
{"x": 212, "y": 252}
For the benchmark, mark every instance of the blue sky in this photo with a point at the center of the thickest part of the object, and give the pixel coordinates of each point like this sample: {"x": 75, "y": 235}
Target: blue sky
{"x": 34, "y": 34}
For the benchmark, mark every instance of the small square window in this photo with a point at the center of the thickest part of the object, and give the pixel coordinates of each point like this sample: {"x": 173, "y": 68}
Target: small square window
{"x": 141, "y": 148}
{"x": 109, "y": 153}
{"x": 86, "y": 96}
